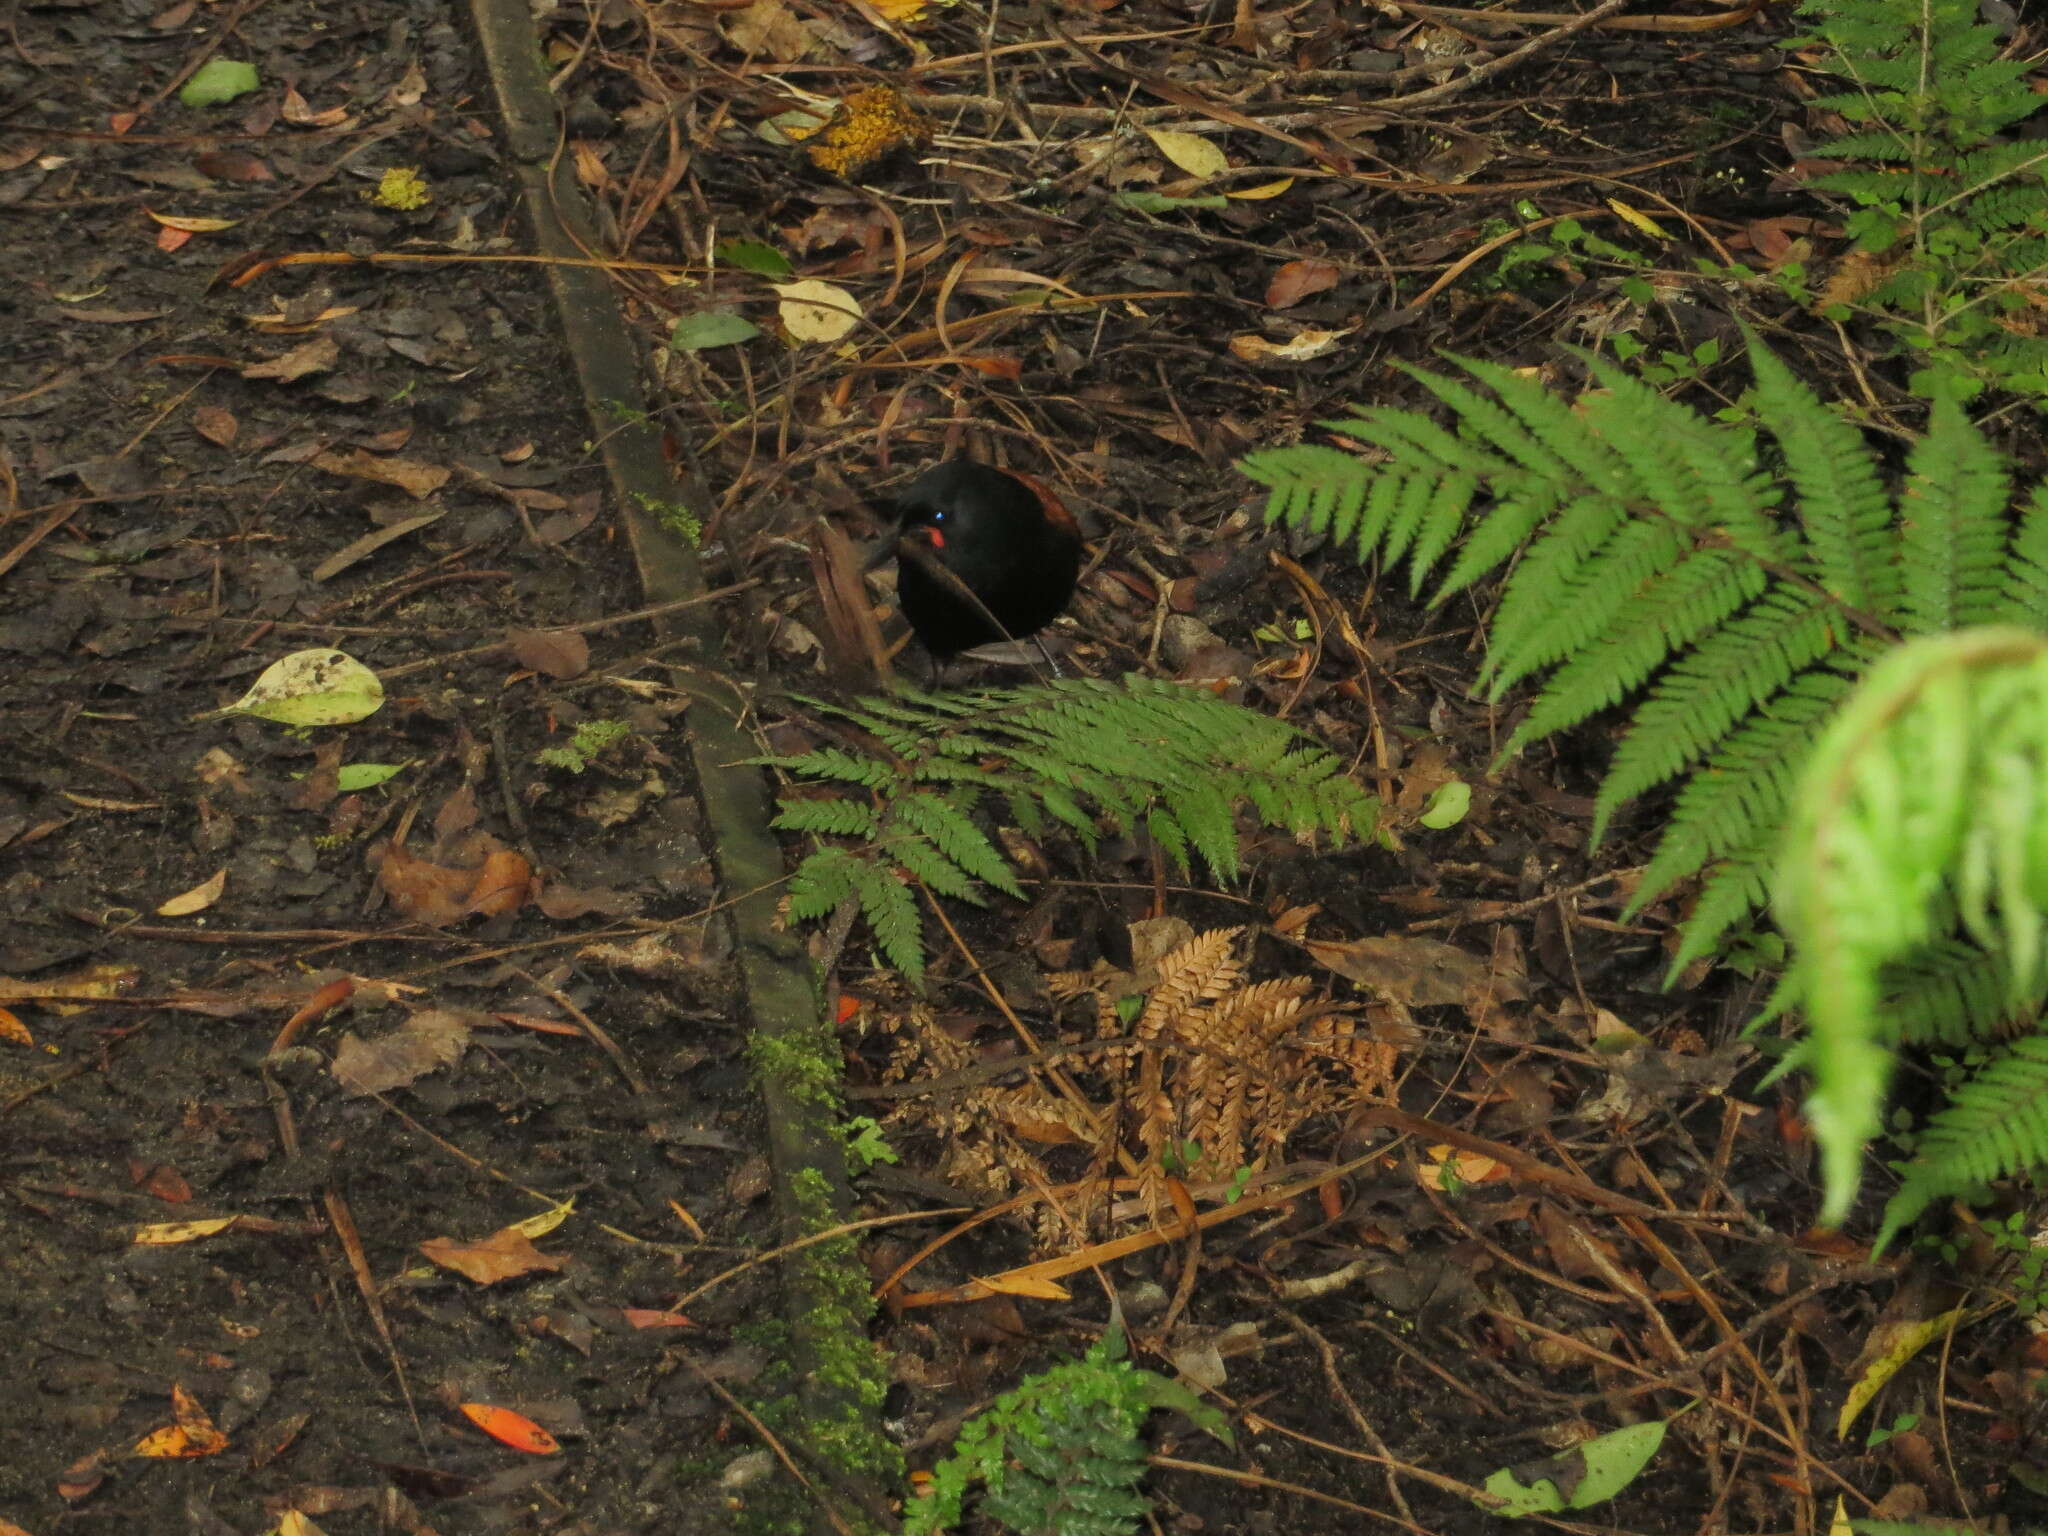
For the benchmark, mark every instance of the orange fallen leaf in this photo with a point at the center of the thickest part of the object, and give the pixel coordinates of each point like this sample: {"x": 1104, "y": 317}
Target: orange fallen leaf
{"x": 501, "y": 885}
{"x": 653, "y": 1317}
{"x": 513, "y": 1429}
{"x": 504, "y": 1255}
{"x": 192, "y": 1434}
{"x": 428, "y": 893}
{"x": 1448, "y": 1168}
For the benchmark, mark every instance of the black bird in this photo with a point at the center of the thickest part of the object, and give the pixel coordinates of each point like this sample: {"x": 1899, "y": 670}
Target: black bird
{"x": 1007, "y": 539}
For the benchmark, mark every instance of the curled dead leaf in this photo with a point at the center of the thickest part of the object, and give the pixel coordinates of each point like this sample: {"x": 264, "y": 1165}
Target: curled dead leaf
{"x": 1311, "y": 344}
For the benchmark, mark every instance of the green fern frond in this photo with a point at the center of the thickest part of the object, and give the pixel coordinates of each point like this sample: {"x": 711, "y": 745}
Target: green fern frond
{"x": 2026, "y": 572}
{"x": 1953, "y": 537}
{"x": 1939, "y": 182}
{"x": 890, "y": 912}
{"x": 1655, "y": 562}
{"x": 953, "y": 833}
{"x": 1943, "y": 995}
{"x": 1841, "y": 496}
{"x": 1993, "y": 1126}
{"x": 1734, "y": 589}
{"x": 1059, "y": 1454}
{"x": 1709, "y": 690}
{"x": 1081, "y": 755}
{"x": 839, "y": 766}
{"x": 828, "y": 818}
{"x": 1922, "y": 803}
{"x": 821, "y": 883}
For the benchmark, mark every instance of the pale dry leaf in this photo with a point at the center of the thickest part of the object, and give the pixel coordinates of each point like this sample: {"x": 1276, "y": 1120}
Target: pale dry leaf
{"x": 1311, "y": 344}
{"x": 428, "y": 1041}
{"x": 315, "y": 355}
{"x": 815, "y": 310}
{"x": 1191, "y": 152}
{"x": 416, "y": 478}
{"x": 216, "y": 424}
{"x": 771, "y": 29}
{"x": 1418, "y": 972}
{"x": 198, "y": 899}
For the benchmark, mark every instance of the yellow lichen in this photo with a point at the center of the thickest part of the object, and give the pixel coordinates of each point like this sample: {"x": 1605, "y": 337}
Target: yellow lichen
{"x": 401, "y": 190}
{"x": 869, "y": 125}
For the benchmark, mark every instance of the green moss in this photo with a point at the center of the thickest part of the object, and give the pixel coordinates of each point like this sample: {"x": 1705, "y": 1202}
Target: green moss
{"x": 833, "y": 1410}
{"x": 675, "y": 517}
{"x": 804, "y": 1066}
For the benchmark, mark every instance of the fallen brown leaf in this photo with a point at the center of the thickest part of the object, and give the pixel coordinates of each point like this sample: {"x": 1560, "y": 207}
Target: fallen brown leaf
{"x": 557, "y": 653}
{"x": 1299, "y": 279}
{"x": 418, "y": 480}
{"x": 431, "y": 1039}
{"x": 504, "y": 1255}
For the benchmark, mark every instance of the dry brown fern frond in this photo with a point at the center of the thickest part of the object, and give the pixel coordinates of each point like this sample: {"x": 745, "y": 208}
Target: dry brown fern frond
{"x": 1209, "y": 1080}
{"x": 1201, "y": 970}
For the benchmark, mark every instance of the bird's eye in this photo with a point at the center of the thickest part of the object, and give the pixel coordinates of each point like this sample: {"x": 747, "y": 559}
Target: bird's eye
{"x": 938, "y": 517}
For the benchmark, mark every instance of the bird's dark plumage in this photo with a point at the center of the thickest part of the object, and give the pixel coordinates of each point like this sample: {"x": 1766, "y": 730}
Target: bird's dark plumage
{"x": 1005, "y": 536}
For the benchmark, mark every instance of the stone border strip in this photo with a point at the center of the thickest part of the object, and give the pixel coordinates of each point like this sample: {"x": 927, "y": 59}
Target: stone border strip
{"x": 795, "y": 1050}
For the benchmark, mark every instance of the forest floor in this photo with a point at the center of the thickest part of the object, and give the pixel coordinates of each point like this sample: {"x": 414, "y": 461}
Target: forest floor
{"x": 311, "y": 1135}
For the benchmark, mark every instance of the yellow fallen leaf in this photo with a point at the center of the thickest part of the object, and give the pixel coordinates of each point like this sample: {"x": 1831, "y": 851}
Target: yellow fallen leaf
{"x": 166, "y": 1233}
{"x": 1190, "y": 151}
{"x": 1024, "y": 1285}
{"x": 1890, "y": 1345}
{"x": 1262, "y": 191}
{"x": 546, "y": 1221}
{"x": 1637, "y": 219}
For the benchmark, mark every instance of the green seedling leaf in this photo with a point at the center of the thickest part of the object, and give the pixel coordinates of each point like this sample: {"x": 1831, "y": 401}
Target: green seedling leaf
{"x": 351, "y": 777}
{"x": 1448, "y": 806}
{"x": 317, "y": 687}
{"x": 1159, "y": 202}
{"x": 217, "y": 81}
{"x": 1616, "y": 1459}
{"x": 1586, "y": 1475}
{"x": 1538, "y": 1498}
{"x": 754, "y": 256}
{"x": 714, "y": 328}
{"x": 1178, "y": 1397}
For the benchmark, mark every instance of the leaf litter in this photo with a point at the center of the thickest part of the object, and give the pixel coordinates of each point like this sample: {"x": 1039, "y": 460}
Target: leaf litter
{"x": 1140, "y": 360}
